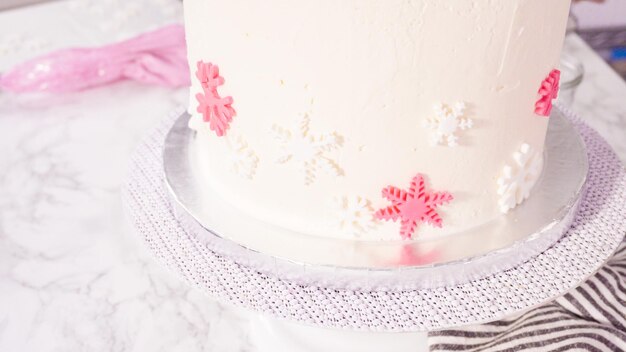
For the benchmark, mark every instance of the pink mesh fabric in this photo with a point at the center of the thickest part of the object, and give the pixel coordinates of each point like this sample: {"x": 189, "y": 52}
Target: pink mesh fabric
{"x": 597, "y": 231}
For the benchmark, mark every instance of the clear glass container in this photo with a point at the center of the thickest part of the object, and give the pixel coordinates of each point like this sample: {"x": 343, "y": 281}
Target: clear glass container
{"x": 572, "y": 74}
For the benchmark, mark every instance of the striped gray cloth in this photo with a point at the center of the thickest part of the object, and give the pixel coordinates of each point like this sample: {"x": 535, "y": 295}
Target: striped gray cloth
{"x": 589, "y": 318}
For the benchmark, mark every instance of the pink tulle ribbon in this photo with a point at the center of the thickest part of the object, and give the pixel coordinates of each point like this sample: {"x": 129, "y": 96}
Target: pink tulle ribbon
{"x": 157, "y": 57}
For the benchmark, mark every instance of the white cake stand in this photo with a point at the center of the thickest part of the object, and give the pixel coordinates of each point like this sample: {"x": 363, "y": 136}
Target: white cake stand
{"x": 298, "y": 313}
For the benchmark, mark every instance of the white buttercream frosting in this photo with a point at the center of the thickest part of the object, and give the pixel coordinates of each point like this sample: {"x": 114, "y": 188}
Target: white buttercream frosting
{"x": 369, "y": 72}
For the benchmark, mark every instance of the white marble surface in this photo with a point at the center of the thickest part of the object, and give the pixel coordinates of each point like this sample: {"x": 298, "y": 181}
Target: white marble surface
{"x": 73, "y": 277}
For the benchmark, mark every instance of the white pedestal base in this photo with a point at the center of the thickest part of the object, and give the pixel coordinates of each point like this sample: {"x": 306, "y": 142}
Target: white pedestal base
{"x": 272, "y": 335}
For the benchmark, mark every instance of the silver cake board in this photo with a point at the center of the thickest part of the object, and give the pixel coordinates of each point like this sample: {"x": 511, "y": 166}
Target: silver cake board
{"x": 498, "y": 245}
{"x": 596, "y": 230}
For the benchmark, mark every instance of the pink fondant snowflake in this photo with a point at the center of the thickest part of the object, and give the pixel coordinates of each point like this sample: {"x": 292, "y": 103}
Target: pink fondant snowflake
{"x": 215, "y": 110}
{"x": 413, "y": 206}
{"x": 548, "y": 91}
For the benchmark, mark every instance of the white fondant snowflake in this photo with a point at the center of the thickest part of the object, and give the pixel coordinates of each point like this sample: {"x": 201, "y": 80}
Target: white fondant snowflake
{"x": 244, "y": 159}
{"x": 355, "y": 214}
{"x": 308, "y": 150}
{"x": 516, "y": 182}
{"x": 446, "y": 123}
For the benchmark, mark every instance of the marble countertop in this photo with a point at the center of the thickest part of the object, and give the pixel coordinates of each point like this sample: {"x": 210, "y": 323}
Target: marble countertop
{"x": 73, "y": 277}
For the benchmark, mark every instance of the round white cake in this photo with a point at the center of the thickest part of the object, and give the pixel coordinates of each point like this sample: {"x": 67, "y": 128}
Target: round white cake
{"x": 373, "y": 119}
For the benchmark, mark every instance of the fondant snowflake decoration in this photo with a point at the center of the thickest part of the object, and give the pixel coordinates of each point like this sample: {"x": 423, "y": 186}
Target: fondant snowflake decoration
{"x": 413, "y": 206}
{"x": 244, "y": 159}
{"x": 308, "y": 150}
{"x": 356, "y": 215}
{"x": 515, "y": 184}
{"x": 215, "y": 110}
{"x": 548, "y": 91}
{"x": 447, "y": 122}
